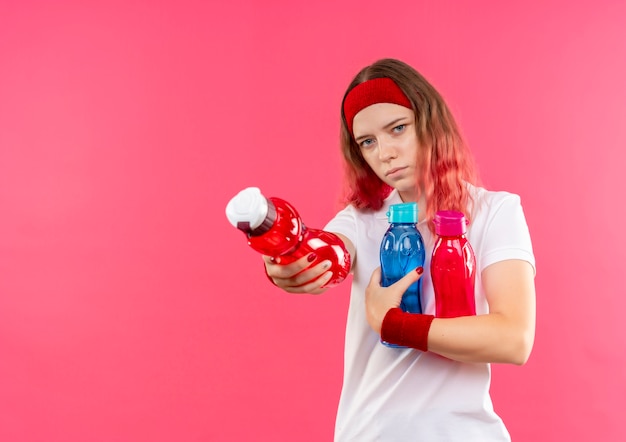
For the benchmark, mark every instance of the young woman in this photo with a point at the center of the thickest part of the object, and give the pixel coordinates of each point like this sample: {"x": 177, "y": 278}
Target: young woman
{"x": 401, "y": 144}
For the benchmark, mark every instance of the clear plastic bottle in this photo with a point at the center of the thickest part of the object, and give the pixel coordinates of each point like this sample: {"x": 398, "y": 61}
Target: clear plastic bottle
{"x": 274, "y": 228}
{"x": 402, "y": 250}
{"x": 453, "y": 267}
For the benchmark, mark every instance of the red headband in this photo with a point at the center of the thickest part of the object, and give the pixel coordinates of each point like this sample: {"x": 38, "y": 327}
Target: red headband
{"x": 377, "y": 90}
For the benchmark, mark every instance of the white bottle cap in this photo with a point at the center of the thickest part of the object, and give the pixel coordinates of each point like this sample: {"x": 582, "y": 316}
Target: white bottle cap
{"x": 248, "y": 209}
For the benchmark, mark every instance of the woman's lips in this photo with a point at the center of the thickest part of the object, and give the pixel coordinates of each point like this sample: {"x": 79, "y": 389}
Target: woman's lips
{"x": 394, "y": 171}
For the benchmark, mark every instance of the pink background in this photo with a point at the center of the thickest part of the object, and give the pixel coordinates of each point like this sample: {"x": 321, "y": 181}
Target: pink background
{"x": 130, "y": 310}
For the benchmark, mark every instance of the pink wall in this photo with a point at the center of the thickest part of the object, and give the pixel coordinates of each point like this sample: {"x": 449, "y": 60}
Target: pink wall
{"x": 131, "y": 311}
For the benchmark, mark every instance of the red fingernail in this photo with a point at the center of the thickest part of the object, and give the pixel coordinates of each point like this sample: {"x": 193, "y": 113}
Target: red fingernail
{"x": 419, "y": 270}
{"x": 312, "y": 257}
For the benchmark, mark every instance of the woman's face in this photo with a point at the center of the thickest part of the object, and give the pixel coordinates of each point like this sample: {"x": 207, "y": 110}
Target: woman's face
{"x": 386, "y": 136}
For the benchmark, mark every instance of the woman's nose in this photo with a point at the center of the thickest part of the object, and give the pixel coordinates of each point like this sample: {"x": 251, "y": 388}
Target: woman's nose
{"x": 386, "y": 150}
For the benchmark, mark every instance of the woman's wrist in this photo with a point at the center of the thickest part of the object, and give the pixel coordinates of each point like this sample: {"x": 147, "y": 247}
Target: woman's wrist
{"x": 406, "y": 329}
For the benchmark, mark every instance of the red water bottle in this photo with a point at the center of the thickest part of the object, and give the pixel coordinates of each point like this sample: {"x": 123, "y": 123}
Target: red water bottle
{"x": 453, "y": 267}
{"x": 274, "y": 228}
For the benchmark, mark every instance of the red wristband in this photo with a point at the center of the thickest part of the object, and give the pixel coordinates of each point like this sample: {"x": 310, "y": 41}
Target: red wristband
{"x": 406, "y": 329}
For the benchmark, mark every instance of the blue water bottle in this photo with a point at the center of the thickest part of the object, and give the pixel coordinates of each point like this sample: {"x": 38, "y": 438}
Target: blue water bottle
{"x": 401, "y": 251}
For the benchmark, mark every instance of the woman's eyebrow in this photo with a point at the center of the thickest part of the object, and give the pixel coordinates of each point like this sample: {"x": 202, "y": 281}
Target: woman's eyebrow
{"x": 386, "y": 126}
{"x": 394, "y": 122}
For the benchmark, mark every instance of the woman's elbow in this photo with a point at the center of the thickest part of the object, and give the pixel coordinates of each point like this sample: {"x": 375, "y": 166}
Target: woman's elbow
{"x": 521, "y": 349}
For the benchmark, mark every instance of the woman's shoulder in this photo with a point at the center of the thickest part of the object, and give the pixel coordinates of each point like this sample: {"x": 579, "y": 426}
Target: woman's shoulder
{"x": 488, "y": 203}
{"x": 483, "y": 196}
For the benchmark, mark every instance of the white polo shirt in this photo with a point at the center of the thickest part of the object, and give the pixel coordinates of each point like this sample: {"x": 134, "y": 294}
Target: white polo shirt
{"x": 398, "y": 395}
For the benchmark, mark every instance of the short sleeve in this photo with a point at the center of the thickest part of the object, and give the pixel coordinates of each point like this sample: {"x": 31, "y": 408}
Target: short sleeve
{"x": 506, "y": 234}
{"x": 344, "y": 223}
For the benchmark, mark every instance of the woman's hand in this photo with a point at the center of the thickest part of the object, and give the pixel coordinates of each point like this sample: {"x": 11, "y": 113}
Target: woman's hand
{"x": 298, "y": 276}
{"x": 301, "y": 276}
{"x": 379, "y": 300}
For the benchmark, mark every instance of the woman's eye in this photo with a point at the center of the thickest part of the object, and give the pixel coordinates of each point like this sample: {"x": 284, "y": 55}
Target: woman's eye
{"x": 367, "y": 143}
{"x": 399, "y": 128}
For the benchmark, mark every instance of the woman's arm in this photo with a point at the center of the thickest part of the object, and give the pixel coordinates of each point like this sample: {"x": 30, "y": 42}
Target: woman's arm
{"x": 298, "y": 277}
{"x": 504, "y": 335}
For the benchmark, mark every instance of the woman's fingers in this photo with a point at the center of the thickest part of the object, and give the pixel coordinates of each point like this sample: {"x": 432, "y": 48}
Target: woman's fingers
{"x": 298, "y": 276}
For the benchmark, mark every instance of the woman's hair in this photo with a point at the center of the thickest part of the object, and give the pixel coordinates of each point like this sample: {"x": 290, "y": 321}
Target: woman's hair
{"x": 447, "y": 163}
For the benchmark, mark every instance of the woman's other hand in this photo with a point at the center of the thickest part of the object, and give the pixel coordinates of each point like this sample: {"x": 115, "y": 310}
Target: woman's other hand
{"x": 379, "y": 300}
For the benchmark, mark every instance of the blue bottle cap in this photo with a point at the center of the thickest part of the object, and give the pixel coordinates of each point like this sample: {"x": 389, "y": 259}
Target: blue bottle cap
{"x": 403, "y": 213}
